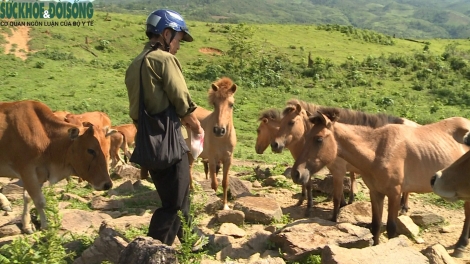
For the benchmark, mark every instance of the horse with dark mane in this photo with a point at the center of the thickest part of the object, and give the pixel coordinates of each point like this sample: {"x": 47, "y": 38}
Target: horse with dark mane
{"x": 266, "y": 132}
{"x": 392, "y": 159}
{"x": 291, "y": 135}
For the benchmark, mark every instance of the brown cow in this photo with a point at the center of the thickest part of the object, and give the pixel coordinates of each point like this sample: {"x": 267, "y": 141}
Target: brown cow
{"x": 96, "y": 118}
{"x": 124, "y": 139}
{"x": 43, "y": 148}
{"x": 61, "y": 114}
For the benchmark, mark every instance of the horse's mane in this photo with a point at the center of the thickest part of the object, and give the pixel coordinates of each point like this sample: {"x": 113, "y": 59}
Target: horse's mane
{"x": 271, "y": 114}
{"x": 225, "y": 90}
{"x": 309, "y": 107}
{"x": 347, "y": 116}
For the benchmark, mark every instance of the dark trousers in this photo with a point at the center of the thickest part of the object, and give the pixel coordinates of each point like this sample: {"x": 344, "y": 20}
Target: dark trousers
{"x": 173, "y": 188}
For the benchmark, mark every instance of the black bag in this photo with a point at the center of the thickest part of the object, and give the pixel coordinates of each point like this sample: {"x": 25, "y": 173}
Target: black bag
{"x": 159, "y": 142}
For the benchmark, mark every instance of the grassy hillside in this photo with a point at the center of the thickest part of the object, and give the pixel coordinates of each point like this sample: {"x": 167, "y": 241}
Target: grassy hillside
{"x": 405, "y": 18}
{"x": 350, "y": 68}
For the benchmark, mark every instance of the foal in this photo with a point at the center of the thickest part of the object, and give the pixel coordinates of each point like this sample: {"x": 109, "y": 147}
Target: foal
{"x": 220, "y": 137}
{"x": 393, "y": 158}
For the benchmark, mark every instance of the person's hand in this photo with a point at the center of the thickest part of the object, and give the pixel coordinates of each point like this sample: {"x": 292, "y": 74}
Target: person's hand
{"x": 197, "y": 130}
{"x": 193, "y": 123}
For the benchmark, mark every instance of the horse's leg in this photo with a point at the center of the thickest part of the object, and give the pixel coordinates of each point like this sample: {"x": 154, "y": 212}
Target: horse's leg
{"x": 206, "y": 168}
{"x": 338, "y": 170}
{"x": 144, "y": 173}
{"x": 302, "y": 196}
{"x": 393, "y": 207}
{"x": 226, "y": 167}
{"x": 404, "y": 203}
{"x": 352, "y": 192}
{"x": 191, "y": 163}
{"x": 309, "y": 197}
{"x": 377, "y": 202}
{"x": 213, "y": 175}
{"x": 462, "y": 243}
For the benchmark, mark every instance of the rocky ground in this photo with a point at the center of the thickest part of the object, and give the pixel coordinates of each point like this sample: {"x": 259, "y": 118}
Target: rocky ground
{"x": 264, "y": 225}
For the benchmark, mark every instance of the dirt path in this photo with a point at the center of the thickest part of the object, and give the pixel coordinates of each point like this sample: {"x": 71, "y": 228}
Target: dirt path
{"x": 20, "y": 37}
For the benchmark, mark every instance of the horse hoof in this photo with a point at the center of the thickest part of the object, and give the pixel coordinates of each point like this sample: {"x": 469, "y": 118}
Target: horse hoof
{"x": 28, "y": 231}
{"x": 226, "y": 207}
{"x": 299, "y": 203}
{"x": 307, "y": 213}
{"x": 458, "y": 253}
{"x": 6, "y": 208}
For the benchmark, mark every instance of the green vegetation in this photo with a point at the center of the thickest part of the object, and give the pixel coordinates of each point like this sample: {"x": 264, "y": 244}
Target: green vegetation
{"x": 348, "y": 67}
{"x": 424, "y": 82}
{"x": 43, "y": 246}
{"x": 405, "y": 19}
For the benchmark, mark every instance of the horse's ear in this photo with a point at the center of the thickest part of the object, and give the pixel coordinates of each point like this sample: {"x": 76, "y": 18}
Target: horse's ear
{"x": 308, "y": 113}
{"x": 264, "y": 120}
{"x": 298, "y": 108}
{"x": 233, "y": 88}
{"x": 320, "y": 118}
{"x": 215, "y": 87}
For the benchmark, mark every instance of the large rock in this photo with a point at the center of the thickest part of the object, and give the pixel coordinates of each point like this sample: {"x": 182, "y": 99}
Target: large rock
{"x": 310, "y": 236}
{"x": 231, "y": 216}
{"x": 396, "y": 250}
{"x": 81, "y": 222}
{"x": 146, "y": 250}
{"x": 358, "y": 213}
{"x": 259, "y": 209}
{"x": 107, "y": 246}
{"x": 102, "y": 203}
{"x": 13, "y": 191}
{"x": 325, "y": 185}
{"x": 237, "y": 188}
{"x": 426, "y": 218}
{"x": 126, "y": 171}
{"x": 437, "y": 254}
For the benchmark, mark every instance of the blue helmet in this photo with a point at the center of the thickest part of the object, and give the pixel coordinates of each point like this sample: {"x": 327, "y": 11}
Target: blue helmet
{"x": 161, "y": 19}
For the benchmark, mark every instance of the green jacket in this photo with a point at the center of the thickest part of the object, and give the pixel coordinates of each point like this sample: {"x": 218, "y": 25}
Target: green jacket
{"x": 163, "y": 83}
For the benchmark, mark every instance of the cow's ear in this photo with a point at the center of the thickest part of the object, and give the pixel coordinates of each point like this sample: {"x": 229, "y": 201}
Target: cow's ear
{"x": 87, "y": 124}
{"x": 108, "y": 132}
{"x": 73, "y": 133}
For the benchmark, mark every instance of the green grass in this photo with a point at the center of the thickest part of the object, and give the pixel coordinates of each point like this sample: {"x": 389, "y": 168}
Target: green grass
{"x": 432, "y": 198}
{"x": 67, "y": 77}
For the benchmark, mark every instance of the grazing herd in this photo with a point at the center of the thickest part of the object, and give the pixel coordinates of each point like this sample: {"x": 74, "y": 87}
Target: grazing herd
{"x": 393, "y": 155}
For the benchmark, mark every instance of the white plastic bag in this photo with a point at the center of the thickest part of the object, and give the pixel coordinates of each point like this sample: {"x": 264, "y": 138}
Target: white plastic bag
{"x": 197, "y": 144}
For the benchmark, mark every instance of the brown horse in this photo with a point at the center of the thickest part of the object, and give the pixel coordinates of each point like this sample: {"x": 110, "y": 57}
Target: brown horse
{"x": 393, "y": 158}
{"x": 220, "y": 138}
{"x": 452, "y": 183}
{"x": 291, "y": 135}
{"x": 267, "y": 129}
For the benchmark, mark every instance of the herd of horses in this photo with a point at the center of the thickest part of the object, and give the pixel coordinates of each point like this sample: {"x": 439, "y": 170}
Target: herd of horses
{"x": 393, "y": 155}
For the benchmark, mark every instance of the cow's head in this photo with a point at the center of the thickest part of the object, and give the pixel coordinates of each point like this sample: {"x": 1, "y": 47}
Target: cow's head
{"x": 89, "y": 155}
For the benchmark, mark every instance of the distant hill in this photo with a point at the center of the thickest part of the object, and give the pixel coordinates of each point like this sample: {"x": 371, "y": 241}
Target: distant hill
{"x": 422, "y": 19}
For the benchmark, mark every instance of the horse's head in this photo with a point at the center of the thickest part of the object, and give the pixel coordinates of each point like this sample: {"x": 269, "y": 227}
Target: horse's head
{"x": 292, "y": 127}
{"x": 267, "y": 129}
{"x": 319, "y": 150}
{"x": 221, "y": 96}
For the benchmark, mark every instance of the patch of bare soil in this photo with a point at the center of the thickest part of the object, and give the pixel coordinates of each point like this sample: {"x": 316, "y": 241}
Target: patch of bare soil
{"x": 208, "y": 50}
{"x": 20, "y": 37}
